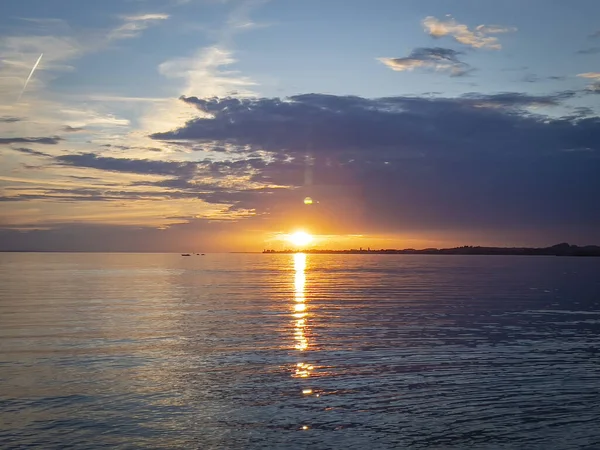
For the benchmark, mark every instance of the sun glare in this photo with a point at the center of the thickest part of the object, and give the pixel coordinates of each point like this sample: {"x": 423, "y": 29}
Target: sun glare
{"x": 300, "y": 238}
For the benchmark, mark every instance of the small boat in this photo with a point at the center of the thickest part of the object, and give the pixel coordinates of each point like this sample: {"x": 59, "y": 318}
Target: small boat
{"x": 185, "y": 254}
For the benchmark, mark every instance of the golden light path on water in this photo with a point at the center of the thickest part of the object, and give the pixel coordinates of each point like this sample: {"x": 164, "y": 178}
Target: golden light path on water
{"x": 303, "y": 369}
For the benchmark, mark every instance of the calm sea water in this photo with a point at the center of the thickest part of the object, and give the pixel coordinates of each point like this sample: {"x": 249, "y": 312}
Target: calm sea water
{"x": 299, "y": 351}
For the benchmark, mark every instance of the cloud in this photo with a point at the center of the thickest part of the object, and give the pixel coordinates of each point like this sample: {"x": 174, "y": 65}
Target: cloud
{"x": 10, "y": 119}
{"x": 477, "y": 38}
{"x": 208, "y": 71}
{"x": 138, "y": 166}
{"x": 31, "y": 140}
{"x": 590, "y": 75}
{"x": 532, "y": 78}
{"x": 337, "y": 123}
{"x": 589, "y": 51}
{"x": 494, "y": 29}
{"x": 29, "y": 151}
{"x": 204, "y": 75}
{"x": 70, "y": 129}
{"x": 471, "y": 169}
{"x": 132, "y": 26}
{"x": 146, "y": 17}
{"x": 59, "y": 44}
{"x": 102, "y": 195}
{"x": 517, "y": 99}
{"x": 594, "y": 86}
{"x": 402, "y": 164}
{"x": 438, "y": 59}
{"x": 19, "y": 54}
{"x": 47, "y": 113}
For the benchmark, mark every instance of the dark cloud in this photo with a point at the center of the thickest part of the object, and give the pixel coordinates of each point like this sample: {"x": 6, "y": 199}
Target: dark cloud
{"x": 186, "y": 179}
{"x": 29, "y": 151}
{"x": 176, "y": 183}
{"x": 31, "y": 140}
{"x": 127, "y": 165}
{"x": 476, "y": 162}
{"x": 69, "y": 129}
{"x": 126, "y": 147}
{"x": 393, "y": 126}
{"x": 589, "y": 51}
{"x": 6, "y": 119}
{"x": 518, "y": 100}
{"x": 582, "y": 111}
{"x": 433, "y": 58}
{"x": 474, "y": 169}
{"x": 532, "y": 78}
{"x": 106, "y": 195}
{"x": 57, "y": 198}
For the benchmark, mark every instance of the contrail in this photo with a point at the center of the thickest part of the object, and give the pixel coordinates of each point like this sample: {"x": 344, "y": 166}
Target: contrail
{"x": 29, "y": 77}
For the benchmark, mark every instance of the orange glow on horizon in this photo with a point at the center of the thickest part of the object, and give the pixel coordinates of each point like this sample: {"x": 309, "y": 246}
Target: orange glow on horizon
{"x": 300, "y": 238}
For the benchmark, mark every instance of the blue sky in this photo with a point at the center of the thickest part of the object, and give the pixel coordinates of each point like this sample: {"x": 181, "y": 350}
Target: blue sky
{"x": 113, "y": 73}
{"x": 314, "y": 46}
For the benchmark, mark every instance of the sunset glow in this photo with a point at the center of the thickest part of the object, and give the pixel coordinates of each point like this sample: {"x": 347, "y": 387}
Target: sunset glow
{"x": 231, "y": 146}
{"x": 300, "y": 238}
{"x": 315, "y": 224}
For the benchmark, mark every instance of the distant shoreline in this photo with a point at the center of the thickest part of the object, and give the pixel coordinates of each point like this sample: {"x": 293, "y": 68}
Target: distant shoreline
{"x": 555, "y": 250}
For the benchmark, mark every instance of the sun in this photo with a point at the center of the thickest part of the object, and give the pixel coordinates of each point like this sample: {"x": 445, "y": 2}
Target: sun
{"x": 300, "y": 238}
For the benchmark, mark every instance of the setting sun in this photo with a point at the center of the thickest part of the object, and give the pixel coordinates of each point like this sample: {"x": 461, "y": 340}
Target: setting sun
{"x": 300, "y": 238}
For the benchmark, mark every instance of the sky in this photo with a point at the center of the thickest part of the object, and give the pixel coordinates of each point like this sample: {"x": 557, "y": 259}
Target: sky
{"x": 202, "y": 125}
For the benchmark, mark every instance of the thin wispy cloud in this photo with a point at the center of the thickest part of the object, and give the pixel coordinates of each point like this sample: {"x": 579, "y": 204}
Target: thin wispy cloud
{"x": 29, "y": 151}
{"x": 204, "y": 74}
{"x": 59, "y": 44}
{"x": 479, "y": 37}
{"x": 590, "y": 75}
{"x": 207, "y": 72}
{"x": 133, "y": 25}
{"x": 117, "y": 98}
{"x": 31, "y": 140}
{"x": 589, "y": 51}
{"x": 146, "y": 17}
{"x": 19, "y": 53}
{"x": 24, "y": 73}
{"x": 70, "y": 129}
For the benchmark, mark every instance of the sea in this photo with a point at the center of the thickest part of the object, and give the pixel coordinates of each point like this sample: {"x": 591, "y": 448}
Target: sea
{"x": 297, "y": 351}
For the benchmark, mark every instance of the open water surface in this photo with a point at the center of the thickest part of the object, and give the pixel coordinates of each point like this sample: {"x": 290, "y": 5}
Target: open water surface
{"x": 299, "y": 351}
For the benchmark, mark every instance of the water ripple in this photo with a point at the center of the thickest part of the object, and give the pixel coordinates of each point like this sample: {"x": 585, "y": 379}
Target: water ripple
{"x": 294, "y": 351}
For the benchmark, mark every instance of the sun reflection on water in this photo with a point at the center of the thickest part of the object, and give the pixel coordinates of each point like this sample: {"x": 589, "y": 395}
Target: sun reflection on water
{"x": 300, "y": 315}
